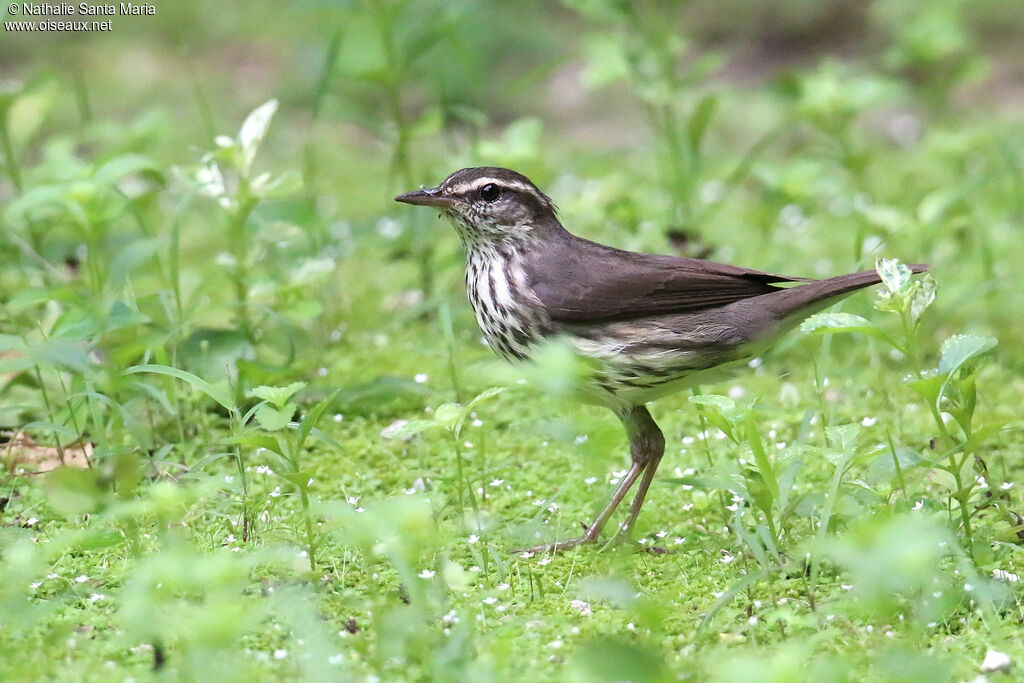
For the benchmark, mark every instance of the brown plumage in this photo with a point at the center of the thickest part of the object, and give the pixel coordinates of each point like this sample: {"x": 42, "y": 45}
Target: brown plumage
{"x": 654, "y": 324}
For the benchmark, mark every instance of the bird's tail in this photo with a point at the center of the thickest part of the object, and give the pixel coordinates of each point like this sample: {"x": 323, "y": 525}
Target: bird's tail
{"x": 787, "y": 307}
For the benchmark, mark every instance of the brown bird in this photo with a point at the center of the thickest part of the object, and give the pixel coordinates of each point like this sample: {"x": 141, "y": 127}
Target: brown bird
{"x": 653, "y": 324}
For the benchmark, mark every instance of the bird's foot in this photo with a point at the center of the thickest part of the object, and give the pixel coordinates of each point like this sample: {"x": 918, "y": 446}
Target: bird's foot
{"x": 558, "y": 546}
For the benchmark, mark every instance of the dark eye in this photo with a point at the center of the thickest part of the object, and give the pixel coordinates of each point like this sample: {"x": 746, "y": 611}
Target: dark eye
{"x": 490, "y": 192}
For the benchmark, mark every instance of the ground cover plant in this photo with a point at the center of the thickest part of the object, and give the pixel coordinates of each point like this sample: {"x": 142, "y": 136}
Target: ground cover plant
{"x": 249, "y": 430}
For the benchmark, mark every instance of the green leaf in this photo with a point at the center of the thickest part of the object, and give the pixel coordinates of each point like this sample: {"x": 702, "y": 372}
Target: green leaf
{"x": 699, "y": 120}
{"x": 448, "y": 415}
{"x": 300, "y": 478}
{"x": 312, "y": 417}
{"x": 258, "y": 441}
{"x": 276, "y": 396}
{"x": 831, "y": 323}
{"x": 895, "y": 275}
{"x": 273, "y": 419}
{"x": 254, "y": 128}
{"x": 723, "y": 404}
{"x": 482, "y": 396}
{"x": 125, "y": 164}
{"x": 216, "y": 393}
{"x": 960, "y": 348}
{"x": 922, "y": 296}
{"x": 411, "y": 428}
{"x": 74, "y": 491}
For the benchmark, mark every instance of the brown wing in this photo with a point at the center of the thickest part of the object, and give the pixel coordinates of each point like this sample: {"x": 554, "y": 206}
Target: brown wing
{"x": 581, "y": 281}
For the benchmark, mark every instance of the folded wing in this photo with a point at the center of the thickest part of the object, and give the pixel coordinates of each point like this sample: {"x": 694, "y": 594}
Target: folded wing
{"x": 580, "y": 281}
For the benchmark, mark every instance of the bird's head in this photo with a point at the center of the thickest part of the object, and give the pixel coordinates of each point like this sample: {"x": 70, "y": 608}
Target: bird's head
{"x": 487, "y": 204}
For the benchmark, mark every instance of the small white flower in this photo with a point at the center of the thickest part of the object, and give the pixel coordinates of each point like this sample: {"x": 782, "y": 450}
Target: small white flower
{"x": 661, "y": 534}
{"x": 81, "y": 578}
{"x": 995, "y": 661}
{"x": 679, "y": 540}
{"x": 427, "y": 574}
{"x": 352, "y": 500}
{"x": 868, "y": 422}
{"x": 338, "y": 417}
{"x": 544, "y": 560}
{"x": 917, "y": 506}
{"x": 96, "y": 597}
{"x": 688, "y": 506}
{"x": 31, "y": 521}
{"x": 497, "y": 482}
{"x": 527, "y": 555}
{"x": 335, "y": 660}
{"x": 1006, "y": 485}
{"x": 473, "y": 538}
{"x": 421, "y": 378}
{"x": 280, "y": 654}
{"x": 490, "y": 600}
{"x": 555, "y": 644}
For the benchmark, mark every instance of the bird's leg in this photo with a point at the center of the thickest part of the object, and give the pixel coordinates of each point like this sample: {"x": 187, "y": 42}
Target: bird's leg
{"x": 646, "y": 446}
{"x": 644, "y": 431}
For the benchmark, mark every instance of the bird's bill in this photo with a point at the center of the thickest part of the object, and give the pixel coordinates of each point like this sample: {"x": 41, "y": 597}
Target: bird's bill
{"x": 431, "y": 197}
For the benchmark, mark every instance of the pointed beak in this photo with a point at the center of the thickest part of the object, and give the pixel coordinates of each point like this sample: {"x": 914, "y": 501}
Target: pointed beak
{"x": 431, "y": 197}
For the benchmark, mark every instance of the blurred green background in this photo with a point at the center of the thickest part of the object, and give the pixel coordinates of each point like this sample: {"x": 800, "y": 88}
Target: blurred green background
{"x": 178, "y": 286}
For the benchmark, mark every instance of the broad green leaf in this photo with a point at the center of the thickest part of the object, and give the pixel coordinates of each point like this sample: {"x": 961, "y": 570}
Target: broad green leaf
{"x": 448, "y": 415}
{"x": 74, "y": 491}
{"x": 831, "y": 323}
{"x": 300, "y": 478}
{"x": 276, "y": 396}
{"x": 722, "y": 403}
{"x": 927, "y": 385}
{"x": 216, "y": 393}
{"x": 960, "y": 348}
{"x": 123, "y": 165}
{"x": 273, "y": 419}
{"x": 258, "y": 441}
{"x": 411, "y": 428}
{"x": 894, "y": 274}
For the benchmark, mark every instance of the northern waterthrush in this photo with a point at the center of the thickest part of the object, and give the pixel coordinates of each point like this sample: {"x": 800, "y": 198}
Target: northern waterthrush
{"x": 653, "y": 324}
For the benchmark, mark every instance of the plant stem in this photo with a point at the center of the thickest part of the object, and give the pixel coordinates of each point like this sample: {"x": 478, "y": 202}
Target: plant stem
{"x": 308, "y": 518}
{"x": 8, "y": 149}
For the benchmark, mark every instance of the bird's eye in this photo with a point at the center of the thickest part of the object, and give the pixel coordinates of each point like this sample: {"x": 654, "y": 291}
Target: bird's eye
{"x": 490, "y": 192}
